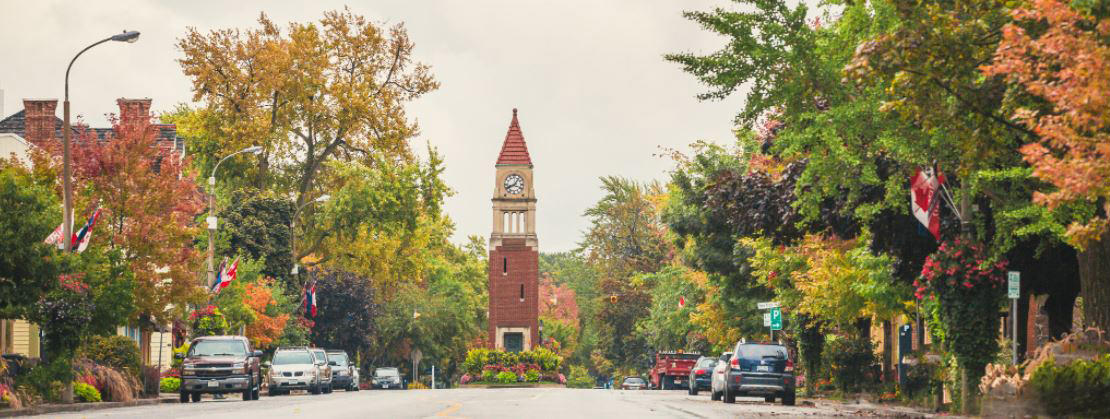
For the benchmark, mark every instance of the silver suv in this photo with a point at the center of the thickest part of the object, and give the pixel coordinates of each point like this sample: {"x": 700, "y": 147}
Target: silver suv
{"x": 324, "y": 370}
{"x": 292, "y": 369}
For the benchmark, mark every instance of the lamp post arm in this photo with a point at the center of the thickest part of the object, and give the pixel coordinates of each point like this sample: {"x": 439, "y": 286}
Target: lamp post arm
{"x": 75, "y": 59}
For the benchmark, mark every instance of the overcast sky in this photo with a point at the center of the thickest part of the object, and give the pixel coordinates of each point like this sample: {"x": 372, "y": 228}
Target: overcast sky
{"x": 595, "y": 96}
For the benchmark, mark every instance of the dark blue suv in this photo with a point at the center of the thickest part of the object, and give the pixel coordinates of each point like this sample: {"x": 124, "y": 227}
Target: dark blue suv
{"x": 760, "y": 369}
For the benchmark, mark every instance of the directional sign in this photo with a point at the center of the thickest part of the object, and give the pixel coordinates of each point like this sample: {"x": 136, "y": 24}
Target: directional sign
{"x": 767, "y": 305}
{"x": 776, "y": 318}
{"x": 766, "y": 319}
{"x": 1014, "y": 287}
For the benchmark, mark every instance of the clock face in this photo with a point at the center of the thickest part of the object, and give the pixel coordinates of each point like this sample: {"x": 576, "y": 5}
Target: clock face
{"x": 514, "y": 184}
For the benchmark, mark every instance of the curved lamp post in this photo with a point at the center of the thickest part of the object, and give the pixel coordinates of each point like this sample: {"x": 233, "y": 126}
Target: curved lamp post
{"x": 67, "y": 197}
{"x": 212, "y": 209}
{"x": 293, "y": 231}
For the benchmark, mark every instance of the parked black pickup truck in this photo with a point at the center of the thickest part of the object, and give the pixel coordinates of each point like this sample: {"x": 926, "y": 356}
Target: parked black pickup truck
{"x": 220, "y": 364}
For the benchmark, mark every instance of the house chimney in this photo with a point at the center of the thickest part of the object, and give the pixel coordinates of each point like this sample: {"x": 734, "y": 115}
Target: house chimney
{"x": 134, "y": 112}
{"x": 39, "y": 120}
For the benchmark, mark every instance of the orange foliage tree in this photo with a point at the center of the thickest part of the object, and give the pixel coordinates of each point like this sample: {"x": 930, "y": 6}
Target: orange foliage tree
{"x": 265, "y": 329}
{"x": 1060, "y": 54}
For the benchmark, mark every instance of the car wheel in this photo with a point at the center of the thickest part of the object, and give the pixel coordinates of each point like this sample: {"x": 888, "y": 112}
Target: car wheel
{"x": 769, "y": 399}
{"x": 788, "y": 399}
{"x": 315, "y": 389}
{"x": 195, "y": 397}
{"x": 328, "y": 389}
{"x": 730, "y": 397}
{"x": 271, "y": 392}
{"x": 714, "y": 396}
{"x": 693, "y": 390}
{"x": 257, "y": 389}
{"x": 184, "y": 397}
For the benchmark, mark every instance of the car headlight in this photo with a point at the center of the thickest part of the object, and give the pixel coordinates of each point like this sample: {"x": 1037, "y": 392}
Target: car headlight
{"x": 275, "y": 374}
{"x": 239, "y": 367}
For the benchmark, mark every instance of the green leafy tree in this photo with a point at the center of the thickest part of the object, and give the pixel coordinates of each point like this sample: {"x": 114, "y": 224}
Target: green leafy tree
{"x": 28, "y": 213}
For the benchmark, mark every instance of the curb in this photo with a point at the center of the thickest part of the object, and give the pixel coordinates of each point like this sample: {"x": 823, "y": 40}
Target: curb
{"x": 79, "y": 407}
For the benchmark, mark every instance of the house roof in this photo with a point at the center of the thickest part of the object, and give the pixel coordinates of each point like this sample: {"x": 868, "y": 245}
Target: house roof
{"x": 514, "y": 151}
{"x": 16, "y": 124}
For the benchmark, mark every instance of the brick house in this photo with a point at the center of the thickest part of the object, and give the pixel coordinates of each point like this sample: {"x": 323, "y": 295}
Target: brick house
{"x": 37, "y": 124}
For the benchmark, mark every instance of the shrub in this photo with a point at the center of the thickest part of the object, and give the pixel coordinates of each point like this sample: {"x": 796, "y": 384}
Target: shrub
{"x": 1076, "y": 389}
{"x": 45, "y": 379}
{"x": 532, "y": 376}
{"x": 506, "y": 377}
{"x": 579, "y": 377}
{"x": 119, "y": 352}
{"x": 475, "y": 360}
{"x": 85, "y": 392}
{"x": 115, "y": 386}
{"x": 417, "y": 386}
{"x": 850, "y": 362}
{"x": 489, "y": 375}
{"x": 169, "y": 385}
{"x": 921, "y": 376}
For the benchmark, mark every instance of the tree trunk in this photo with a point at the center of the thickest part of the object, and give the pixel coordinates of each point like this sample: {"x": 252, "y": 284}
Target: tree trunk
{"x": 888, "y": 352}
{"x": 965, "y": 389}
{"x": 1094, "y": 279}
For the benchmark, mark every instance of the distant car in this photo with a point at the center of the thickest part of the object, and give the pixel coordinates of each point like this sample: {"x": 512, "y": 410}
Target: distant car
{"x": 717, "y": 383}
{"x": 634, "y": 383}
{"x": 387, "y": 378}
{"x": 701, "y": 374}
{"x": 760, "y": 369}
{"x": 220, "y": 364}
{"x": 323, "y": 369}
{"x": 345, "y": 372}
{"x": 292, "y": 369}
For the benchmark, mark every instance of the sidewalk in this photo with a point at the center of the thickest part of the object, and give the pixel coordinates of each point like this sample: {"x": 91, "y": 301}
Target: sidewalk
{"x": 861, "y": 407}
{"x": 43, "y": 409}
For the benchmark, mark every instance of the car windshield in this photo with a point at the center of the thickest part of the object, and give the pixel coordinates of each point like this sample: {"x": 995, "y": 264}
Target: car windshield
{"x": 292, "y": 358}
{"x": 633, "y": 380}
{"x": 218, "y": 348}
{"x": 706, "y": 362}
{"x": 762, "y": 351}
{"x": 338, "y": 358}
{"x": 320, "y": 356}
{"x": 386, "y": 372}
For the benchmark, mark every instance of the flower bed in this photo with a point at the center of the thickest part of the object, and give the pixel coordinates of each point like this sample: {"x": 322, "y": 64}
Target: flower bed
{"x": 494, "y": 367}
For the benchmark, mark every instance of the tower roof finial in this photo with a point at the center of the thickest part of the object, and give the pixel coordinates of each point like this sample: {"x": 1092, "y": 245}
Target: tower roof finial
{"x": 514, "y": 150}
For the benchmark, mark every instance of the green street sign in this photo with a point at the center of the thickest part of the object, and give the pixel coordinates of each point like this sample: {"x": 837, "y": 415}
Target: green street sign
{"x": 1013, "y": 285}
{"x": 776, "y": 319}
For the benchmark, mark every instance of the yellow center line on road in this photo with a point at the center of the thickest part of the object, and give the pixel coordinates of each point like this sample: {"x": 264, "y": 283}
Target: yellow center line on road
{"x": 448, "y": 411}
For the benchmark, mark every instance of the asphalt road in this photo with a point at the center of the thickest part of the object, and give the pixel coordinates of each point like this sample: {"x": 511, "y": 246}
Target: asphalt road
{"x": 489, "y": 403}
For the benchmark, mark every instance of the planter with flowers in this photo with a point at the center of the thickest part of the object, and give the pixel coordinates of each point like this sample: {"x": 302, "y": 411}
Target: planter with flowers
{"x": 962, "y": 291}
{"x": 494, "y": 368}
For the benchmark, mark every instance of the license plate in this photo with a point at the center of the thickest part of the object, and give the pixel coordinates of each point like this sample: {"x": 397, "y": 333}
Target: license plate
{"x": 213, "y": 383}
{"x": 763, "y": 368}
{"x": 385, "y": 386}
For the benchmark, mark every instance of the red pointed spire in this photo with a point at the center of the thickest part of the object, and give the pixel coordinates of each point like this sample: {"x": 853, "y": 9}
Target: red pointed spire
{"x": 514, "y": 150}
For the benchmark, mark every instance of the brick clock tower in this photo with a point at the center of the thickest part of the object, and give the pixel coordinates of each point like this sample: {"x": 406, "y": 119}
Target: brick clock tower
{"x": 513, "y": 249}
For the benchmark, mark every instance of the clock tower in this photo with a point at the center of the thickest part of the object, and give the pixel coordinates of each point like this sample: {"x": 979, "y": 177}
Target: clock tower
{"x": 513, "y": 249}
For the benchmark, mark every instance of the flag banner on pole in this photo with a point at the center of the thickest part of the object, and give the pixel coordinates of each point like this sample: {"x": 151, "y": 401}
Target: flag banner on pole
{"x": 55, "y": 238}
{"x": 230, "y": 274}
{"x": 924, "y": 199}
{"x": 81, "y": 238}
{"x": 220, "y": 273}
{"x": 310, "y": 299}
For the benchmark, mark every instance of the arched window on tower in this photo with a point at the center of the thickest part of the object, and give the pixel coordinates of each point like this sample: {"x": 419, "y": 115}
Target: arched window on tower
{"x": 522, "y": 293}
{"x": 505, "y": 265}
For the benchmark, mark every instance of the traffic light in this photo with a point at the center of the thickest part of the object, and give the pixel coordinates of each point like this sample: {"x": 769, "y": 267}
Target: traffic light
{"x": 613, "y": 298}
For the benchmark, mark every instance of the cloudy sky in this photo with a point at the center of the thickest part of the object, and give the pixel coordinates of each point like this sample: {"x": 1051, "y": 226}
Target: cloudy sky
{"x": 595, "y": 96}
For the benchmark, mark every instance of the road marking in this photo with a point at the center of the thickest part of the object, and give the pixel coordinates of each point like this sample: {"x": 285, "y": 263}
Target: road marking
{"x": 448, "y": 411}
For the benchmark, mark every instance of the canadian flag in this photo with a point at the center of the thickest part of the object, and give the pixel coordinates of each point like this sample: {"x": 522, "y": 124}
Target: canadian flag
{"x": 681, "y": 301}
{"x": 924, "y": 200}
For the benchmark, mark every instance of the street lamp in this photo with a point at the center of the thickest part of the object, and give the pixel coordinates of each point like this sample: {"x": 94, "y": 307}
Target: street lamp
{"x": 212, "y": 209}
{"x": 67, "y": 198}
{"x": 293, "y": 231}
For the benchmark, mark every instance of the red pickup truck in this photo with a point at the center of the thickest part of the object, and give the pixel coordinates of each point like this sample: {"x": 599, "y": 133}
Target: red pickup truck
{"x": 672, "y": 369}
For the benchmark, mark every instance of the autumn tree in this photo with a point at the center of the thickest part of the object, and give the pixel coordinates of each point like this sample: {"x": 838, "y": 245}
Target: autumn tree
{"x": 1058, "y": 53}
{"x": 309, "y": 94}
{"x": 148, "y": 201}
